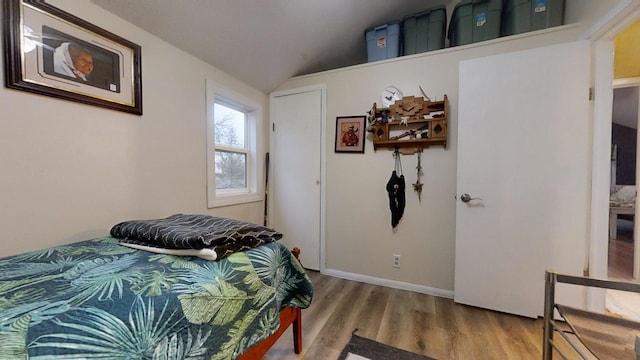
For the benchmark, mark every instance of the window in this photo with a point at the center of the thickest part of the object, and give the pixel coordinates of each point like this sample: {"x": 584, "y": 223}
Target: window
{"x": 229, "y": 132}
{"x": 232, "y": 166}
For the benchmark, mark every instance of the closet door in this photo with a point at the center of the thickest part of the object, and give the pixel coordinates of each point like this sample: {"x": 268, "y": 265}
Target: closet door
{"x": 295, "y": 179}
{"x": 524, "y": 154}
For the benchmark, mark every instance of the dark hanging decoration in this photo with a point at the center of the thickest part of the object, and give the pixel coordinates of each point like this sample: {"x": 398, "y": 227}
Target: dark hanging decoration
{"x": 395, "y": 188}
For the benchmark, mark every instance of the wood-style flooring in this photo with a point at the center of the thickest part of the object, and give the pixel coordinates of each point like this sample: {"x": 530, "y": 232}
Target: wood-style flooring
{"x": 424, "y": 324}
{"x": 621, "y": 254}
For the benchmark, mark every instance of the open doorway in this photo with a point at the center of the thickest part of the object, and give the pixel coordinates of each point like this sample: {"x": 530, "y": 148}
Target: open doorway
{"x": 624, "y": 239}
{"x": 623, "y": 192}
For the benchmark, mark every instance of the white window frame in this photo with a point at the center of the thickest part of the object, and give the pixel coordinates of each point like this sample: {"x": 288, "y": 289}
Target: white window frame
{"x": 254, "y": 190}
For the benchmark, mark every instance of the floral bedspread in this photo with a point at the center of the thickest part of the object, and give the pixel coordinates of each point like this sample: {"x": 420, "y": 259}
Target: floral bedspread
{"x": 98, "y": 299}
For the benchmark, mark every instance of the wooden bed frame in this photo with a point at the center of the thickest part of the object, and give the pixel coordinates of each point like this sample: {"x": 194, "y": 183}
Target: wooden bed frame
{"x": 289, "y": 315}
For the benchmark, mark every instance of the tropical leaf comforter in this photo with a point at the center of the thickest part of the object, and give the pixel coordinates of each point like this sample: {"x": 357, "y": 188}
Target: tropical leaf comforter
{"x": 98, "y": 299}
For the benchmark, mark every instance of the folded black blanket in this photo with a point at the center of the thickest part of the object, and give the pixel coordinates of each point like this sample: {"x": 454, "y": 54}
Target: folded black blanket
{"x": 180, "y": 232}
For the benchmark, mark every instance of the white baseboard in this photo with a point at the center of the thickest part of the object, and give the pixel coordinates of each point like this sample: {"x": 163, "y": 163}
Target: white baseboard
{"x": 389, "y": 283}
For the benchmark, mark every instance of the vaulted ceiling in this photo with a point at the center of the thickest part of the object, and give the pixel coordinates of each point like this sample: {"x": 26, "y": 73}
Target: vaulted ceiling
{"x": 265, "y": 42}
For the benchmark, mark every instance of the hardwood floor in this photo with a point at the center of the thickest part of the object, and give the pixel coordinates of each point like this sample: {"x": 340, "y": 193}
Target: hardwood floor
{"x": 621, "y": 254}
{"x": 620, "y": 263}
{"x": 423, "y": 324}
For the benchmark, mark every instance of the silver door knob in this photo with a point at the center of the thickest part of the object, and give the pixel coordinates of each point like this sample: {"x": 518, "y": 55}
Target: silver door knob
{"x": 466, "y": 198}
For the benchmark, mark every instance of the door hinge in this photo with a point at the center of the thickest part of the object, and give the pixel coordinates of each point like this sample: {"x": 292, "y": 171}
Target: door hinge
{"x": 591, "y": 94}
{"x": 273, "y": 127}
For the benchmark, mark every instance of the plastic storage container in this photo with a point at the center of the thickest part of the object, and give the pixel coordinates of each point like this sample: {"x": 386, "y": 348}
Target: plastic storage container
{"x": 475, "y": 20}
{"x": 424, "y": 31}
{"x": 527, "y": 15}
{"x": 383, "y": 42}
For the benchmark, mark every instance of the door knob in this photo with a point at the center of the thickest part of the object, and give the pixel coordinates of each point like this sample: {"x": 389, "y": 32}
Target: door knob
{"x": 466, "y": 198}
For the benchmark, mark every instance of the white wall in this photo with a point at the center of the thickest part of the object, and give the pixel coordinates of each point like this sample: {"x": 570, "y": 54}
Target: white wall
{"x": 359, "y": 238}
{"x": 625, "y": 106}
{"x": 70, "y": 171}
{"x": 588, "y": 13}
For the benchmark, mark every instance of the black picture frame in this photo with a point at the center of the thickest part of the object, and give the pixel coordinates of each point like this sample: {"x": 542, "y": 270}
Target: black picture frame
{"x": 350, "y": 134}
{"x": 55, "y": 53}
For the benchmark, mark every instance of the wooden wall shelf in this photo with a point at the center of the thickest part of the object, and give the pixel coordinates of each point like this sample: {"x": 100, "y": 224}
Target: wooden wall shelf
{"x": 410, "y": 124}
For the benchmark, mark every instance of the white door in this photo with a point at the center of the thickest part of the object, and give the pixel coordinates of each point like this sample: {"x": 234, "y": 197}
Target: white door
{"x": 295, "y": 158}
{"x": 524, "y": 150}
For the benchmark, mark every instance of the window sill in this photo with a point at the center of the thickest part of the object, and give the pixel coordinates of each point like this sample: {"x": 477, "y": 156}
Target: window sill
{"x": 229, "y": 200}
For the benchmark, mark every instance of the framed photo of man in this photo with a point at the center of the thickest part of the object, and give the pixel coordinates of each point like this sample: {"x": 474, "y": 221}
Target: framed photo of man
{"x": 350, "y": 133}
{"x": 51, "y": 52}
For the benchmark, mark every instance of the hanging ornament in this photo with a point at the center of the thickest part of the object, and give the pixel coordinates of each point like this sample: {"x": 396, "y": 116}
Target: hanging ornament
{"x": 417, "y": 186}
{"x": 395, "y": 187}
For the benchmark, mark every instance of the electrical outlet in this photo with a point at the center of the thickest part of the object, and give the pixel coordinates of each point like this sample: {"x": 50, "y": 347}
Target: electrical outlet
{"x": 396, "y": 261}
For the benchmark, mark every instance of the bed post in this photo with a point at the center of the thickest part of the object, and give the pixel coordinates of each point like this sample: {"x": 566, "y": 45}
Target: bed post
{"x": 297, "y": 331}
{"x": 297, "y": 323}
{"x": 549, "y": 296}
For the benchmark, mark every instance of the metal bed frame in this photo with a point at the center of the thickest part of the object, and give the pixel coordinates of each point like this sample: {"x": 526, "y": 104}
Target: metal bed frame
{"x": 625, "y": 336}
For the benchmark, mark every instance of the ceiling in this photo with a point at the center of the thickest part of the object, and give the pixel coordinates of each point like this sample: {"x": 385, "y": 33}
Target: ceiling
{"x": 265, "y": 42}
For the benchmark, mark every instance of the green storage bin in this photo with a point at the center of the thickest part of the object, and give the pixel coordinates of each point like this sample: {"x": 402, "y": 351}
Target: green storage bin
{"x": 424, "y": 31}
{"x": 475, "y": 20}
{"x": 520, "y": 16}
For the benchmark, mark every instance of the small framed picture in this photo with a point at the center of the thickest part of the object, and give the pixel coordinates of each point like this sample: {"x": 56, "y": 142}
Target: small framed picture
{"x": 350, "y": 133}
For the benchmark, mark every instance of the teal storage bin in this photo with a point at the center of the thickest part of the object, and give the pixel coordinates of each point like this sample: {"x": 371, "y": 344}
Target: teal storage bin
{"x": 383, "y": 42}
{"x": 521, "y": 16}
{"x": 475, "y": 20}
{"x": 424, "y": 31}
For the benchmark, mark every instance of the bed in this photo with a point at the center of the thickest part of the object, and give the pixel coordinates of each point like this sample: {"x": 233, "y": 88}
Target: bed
{"x": 98, "y": 298}
{"x": 622, "y": 201}
{"x": 585, "y": 334}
